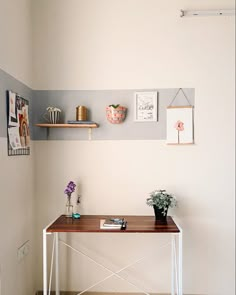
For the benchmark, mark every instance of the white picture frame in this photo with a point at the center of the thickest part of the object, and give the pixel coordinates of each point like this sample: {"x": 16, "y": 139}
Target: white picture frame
{"x": 145, "y": 106}
{"x": 180, "y": 125}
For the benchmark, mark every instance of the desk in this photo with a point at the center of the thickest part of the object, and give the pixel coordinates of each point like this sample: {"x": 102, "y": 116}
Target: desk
{"x": 91, "y": 224}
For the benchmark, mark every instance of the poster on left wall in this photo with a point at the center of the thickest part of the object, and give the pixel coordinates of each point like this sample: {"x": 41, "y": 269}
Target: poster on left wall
{"x": 17, "y": 124}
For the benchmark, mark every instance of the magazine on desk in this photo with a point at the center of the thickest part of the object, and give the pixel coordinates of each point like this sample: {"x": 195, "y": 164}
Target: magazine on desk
{"x": 111, "y": 223}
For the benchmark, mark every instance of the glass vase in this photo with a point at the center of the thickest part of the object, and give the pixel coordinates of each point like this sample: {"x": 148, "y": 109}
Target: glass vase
{"x": 69, "y": 208}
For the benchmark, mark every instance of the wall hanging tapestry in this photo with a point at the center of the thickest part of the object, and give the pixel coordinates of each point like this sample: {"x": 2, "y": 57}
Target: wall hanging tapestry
{"x": 180, "y": 122}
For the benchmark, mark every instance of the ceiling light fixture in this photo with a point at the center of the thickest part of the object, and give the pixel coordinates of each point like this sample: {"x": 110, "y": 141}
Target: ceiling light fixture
{"x": 219, "y": 12}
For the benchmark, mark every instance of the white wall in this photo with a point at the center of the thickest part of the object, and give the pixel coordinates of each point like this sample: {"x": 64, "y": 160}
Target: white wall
{"x": 16, "y": 173}
{"x": 108, "y": 44}
{"x": 16, "y": 222}
{"x": 111, "y": 44}
{"x": 101, "y": 44}
{"x": 16, "y": 39}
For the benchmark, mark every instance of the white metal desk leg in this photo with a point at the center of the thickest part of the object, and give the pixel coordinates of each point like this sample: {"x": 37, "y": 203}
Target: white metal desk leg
{"x": 57, "y": 263}
{"x": 173, "y": 269}
{"x": 180, "y": 270}
{"x": 45, "y": 262}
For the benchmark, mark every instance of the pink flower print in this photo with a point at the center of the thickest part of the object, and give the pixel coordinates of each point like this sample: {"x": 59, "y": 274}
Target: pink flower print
{"x": 179, "y": 125}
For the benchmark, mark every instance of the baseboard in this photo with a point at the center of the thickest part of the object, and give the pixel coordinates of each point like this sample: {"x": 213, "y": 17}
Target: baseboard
{"x": 98, "y": 293}
{"x": 103, "y": 293}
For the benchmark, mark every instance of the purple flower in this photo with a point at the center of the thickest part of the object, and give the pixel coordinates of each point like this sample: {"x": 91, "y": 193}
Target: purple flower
{"x": 70, "y": 188}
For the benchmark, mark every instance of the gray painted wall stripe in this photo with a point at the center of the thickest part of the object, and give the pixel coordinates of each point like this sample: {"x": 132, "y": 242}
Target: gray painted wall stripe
{"x": 96, "y": 101}
{"x": 7, "y": 82}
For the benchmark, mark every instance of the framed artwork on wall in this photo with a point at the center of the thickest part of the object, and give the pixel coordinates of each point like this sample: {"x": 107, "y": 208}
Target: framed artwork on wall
{"x": 145, "y": 106}
{"x": 17, "y": 125}
{"x": 180, "y": 125}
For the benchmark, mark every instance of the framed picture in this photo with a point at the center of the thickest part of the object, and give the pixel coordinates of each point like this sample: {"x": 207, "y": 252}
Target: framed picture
{"x": 145, "y": 104}
{"x": 18, "y": 125}
{"x": 180, "y": 125}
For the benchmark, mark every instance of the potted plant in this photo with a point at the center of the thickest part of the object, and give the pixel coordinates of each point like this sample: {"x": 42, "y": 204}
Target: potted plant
{"x": 116, "y": 113}
{"x": 161, "y": 201}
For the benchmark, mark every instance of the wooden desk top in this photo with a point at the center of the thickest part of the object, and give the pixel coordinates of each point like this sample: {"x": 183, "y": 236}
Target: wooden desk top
{"x": 91, "y": 224}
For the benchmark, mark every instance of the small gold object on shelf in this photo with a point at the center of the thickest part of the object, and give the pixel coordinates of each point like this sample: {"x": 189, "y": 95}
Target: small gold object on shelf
{"x": 81, "y": 113}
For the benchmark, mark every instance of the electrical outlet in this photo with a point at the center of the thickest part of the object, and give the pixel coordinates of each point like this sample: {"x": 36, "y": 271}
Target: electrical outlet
{"x": 23, "y": 250}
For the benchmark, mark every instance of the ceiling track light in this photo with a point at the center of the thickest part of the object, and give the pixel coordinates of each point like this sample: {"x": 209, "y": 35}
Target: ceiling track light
{"x": 219, "y": 12}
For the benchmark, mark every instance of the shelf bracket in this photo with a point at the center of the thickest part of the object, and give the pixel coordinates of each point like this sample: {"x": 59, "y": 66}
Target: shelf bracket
{"x": 47, "y": 132}
{"x": 89, "y": 133}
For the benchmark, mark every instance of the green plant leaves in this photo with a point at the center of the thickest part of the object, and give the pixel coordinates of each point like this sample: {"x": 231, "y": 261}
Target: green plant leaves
{"x": 161, "y": 199}
{"x": 115, "y": 106}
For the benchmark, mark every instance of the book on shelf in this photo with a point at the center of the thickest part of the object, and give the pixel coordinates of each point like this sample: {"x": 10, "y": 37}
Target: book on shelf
{"x": 111, "y": 223}
{"x": 80, "y": 122}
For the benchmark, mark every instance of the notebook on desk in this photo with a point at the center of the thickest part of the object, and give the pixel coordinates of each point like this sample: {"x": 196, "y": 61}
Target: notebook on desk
{"x": 111, "y": 223}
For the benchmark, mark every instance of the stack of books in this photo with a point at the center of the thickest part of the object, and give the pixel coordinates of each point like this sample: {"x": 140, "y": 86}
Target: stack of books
{"x": 111, "y": 223}
{"x": 80, "y": 122}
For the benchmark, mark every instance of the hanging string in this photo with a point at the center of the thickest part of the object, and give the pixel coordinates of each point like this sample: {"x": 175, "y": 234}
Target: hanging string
{"x": 180, "y": 89}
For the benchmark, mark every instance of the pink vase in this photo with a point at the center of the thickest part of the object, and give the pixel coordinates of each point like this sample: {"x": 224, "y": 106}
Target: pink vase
{"x": 116, "y": 115}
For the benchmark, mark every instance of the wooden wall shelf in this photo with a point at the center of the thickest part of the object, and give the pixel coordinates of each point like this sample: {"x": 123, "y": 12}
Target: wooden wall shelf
{"x": 46, "y": 125}
{"x": 89, "y": 126}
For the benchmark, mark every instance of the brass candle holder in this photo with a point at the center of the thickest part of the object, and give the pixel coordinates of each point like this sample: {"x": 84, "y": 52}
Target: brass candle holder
{"x": 81, "y": 113}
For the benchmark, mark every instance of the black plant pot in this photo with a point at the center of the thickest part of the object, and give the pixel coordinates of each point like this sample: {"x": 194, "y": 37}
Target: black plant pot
{"x": 159, "y": 215}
